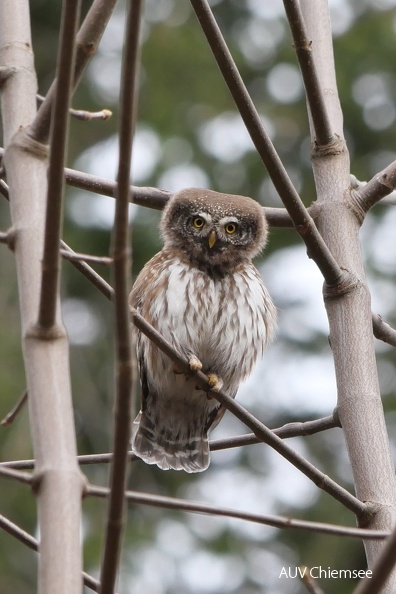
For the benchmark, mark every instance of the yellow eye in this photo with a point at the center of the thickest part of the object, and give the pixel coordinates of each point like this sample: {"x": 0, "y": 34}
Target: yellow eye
{"x": 198, "y": 222}
{"x": 230, "y": 228}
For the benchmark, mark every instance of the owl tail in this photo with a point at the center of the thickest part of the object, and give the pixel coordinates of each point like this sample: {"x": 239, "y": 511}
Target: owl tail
{"x": 160, "y": 446}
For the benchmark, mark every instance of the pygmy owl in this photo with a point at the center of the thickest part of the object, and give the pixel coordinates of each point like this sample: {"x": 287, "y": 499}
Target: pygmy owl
{"x": 204, "y": 295}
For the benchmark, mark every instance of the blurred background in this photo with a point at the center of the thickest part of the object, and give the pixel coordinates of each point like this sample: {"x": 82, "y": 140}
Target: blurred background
{"x": 189, "y": 133}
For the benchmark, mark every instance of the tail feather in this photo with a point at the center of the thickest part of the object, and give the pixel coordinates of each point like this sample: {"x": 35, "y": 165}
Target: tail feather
{"x": 159, "y": 446}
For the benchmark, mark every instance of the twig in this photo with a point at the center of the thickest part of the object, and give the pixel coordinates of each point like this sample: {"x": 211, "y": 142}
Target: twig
{"x": 382, "y": 184}
{"x": 300, "y": 216}
{"x": 55, "y": 192}
{"x": 268, "y": 520}
{"x": 10, "y": 417}
{"x": 69, "y": 255}
{"x": 309, "y": 582}
{"x": 18, "y": 475}
{"x": 303, "y": 47}
{"x": 383, "y": 331}
{"x": 87, "y": 41}
{"x": 84, "y": 115}
{"x": 4, "y": 237}
{"x": 125, "y": 368}
{"x": 32, "y": 543}
{"x": 90, "y": 274}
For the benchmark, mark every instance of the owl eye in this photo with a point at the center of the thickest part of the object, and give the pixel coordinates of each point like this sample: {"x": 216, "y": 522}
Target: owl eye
{"x": 230, "y": 228}
{"x": 198, "y": 222}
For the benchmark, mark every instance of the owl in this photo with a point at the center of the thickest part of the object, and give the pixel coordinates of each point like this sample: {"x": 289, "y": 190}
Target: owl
{"x": 205, "y": 296}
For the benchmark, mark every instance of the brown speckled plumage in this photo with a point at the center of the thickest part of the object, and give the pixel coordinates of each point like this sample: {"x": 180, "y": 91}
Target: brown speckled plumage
{"x": 202, "y": 292}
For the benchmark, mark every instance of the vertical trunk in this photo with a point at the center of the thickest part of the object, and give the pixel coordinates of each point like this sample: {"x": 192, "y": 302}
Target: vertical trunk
{"x": 58, "y": 482}
{"x": 349, "y": 311}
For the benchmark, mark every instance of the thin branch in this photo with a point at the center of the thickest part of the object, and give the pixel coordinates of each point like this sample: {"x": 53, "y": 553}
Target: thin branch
{"x": 381, "y": 570}
{"x": 305, "y": 55}
{"x": 262, "y": 432}
{"x": 69, "y": 255}
{"x": 87, "y": 40}
{"x": 268, "y": 520}
{"x": 18, "y": 475}
{"x": 84, "y": 115}
{"x": 89, "y": 273}
{"x": 309, "y": 582}
{"x": 300, "y": 216}
{"x": 150, "y": 197}
{"x": 383, "y": 331}
{"x": 382, "y": 184}
{"x": 32, "y": 543}
{"x": 5, "y": 237}
{"x": 125, "y": 368}
{"x": 296, "y": 429}
{"x": 57, "y": 156}
{"x": 11, "y": 416}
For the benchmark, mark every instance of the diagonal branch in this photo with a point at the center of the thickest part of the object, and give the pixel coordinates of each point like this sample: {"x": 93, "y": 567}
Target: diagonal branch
{"x": 125, "y": 368}
{"x": 378, "y": 187}
{"x": 32, "y": 543}
{"x": 57, "y": 156}
{"x": 301, "y": 218}
{"x": 87, "y": 40}
{"x": 268, "y": 520}
{"x": 296, "y": 429}
{"x": 303, "y": 47}
{"x": 382, "y": 569}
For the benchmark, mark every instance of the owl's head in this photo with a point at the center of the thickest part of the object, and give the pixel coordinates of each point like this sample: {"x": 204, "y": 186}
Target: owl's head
{"x": 214, "y": 229}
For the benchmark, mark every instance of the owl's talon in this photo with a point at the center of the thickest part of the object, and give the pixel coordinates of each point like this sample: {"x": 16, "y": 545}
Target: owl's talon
{"x": 215, "y": 383}
{"x": 194, "y": 363}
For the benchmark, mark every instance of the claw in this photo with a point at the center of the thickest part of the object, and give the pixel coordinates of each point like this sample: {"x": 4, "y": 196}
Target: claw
{"x": 194, "y": 363}
{"x": 215, "y": 382}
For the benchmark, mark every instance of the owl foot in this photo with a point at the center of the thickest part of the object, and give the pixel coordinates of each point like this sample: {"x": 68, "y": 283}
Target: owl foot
{"x": 194, "y": 363}
{"x": 215, "y": 383}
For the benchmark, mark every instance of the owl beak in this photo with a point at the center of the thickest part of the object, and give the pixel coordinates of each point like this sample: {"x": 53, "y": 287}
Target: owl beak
{"x": 212, "y": 238}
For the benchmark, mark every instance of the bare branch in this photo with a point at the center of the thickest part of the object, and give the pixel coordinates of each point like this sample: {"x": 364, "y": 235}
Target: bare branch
{"x": 87, "y": 40}
{"x": 268, "y": 520}
{"x": 381, "y": 185}
{"x": 18, "y": 475}
{"x": 383, "y": 331}
{"x": 33, "y": 544}
{"x": 262, "y": 432}
{"x": 83, "y": 115}
{"x": 10, "y": 417}
{"x": 125, "y": 368}
{"x": 89, "y": 273}
{"x": 309, "y": 582}
{"x": 306, "y": 58}
{"x": 297, "y": 429}
{"x": 350, "y": 317}
{"x": 381, "y": 570}
{"x": 57, "y": 477}
{"x": 57, "y": 156}
{"x": 301, "y": 218}
{"x": 69, "y": 255}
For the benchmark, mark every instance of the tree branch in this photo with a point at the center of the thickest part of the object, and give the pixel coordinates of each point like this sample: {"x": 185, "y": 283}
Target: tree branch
{"x": 381, "y": 570}
{"x": 10, "y": 417}
{"x": 301, "y": 218}
{"x": 383, "y": 331}
{"x": 306, "y": 59}
{"x": 57, "y": 157}
{"x": 87, "y": 41}
{"x": 58, "y": 481}
{"x": 125, "y": 367}
{"x": 268, "y": 520}
{"x": 382, "y": 184}
{"x": 33, "y": 544}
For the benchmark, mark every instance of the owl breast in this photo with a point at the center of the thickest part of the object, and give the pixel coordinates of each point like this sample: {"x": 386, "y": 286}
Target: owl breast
{"x": 225, "y": 321}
